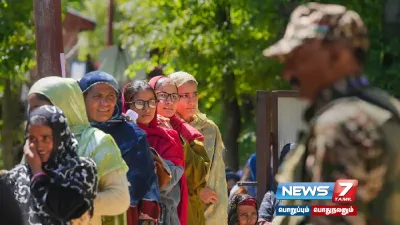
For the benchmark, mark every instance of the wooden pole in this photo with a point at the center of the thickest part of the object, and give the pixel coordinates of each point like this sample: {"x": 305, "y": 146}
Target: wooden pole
{"x": 263, "y": 143}
{"x": 49, "y": 39}
{"x": 110, "y": 23}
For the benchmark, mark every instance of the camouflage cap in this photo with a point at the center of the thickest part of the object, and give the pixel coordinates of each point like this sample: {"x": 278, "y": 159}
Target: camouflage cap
{"x": 320, "y": 21}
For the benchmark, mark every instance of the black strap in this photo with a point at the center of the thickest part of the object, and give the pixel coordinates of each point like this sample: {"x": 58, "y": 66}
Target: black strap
{"x": 379, "y": 98}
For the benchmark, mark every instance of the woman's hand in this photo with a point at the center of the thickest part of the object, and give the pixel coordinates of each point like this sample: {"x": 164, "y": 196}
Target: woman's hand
{"x": 208, "y": 195}
{"x": 163, "y": 121}
{"x": 32, "y": 157}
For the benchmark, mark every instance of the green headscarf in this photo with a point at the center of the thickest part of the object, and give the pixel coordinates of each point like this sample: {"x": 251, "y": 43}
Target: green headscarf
{"x": 66, "y": 94}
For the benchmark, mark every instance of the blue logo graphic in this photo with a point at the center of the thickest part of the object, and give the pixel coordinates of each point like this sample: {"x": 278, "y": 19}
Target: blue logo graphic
{"x": 294, "y": 210}
{"x": 305, "y": 191}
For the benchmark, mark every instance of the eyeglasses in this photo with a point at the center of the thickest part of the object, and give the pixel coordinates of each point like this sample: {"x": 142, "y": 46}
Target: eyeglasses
{"x": 164, "y": 96}
{"x": 140, "y": 104}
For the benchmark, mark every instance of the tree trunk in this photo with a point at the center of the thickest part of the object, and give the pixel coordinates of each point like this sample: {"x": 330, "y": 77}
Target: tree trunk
{"x": 110, "y": 23}
{"x": 10, "y": 132}
{"x": 233, "y": 123}
{"x": 49, "y": 39}
{"x": 231, "y": 108}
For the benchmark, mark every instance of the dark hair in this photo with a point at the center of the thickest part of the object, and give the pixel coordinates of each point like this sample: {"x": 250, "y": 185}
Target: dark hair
{"x": 232, "y": 176}
{"x": 42, "y": 97}
{"x": 163, "y": 81}
{"x": 39, "y": 120}
{"x": 134, "y": 87}
{"x": 157, "y": 71}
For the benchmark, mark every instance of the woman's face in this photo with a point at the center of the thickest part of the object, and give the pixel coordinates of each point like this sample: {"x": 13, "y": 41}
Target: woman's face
{"x": 42, "y": 138}
{"x": 247, "y": 215}
{"x": 168, "y": 97}
{"x": 144, "y": 104}
{"x": 34, "y": 102}
{"x": 100, "y": 101}
{"x": 187, "y": 105}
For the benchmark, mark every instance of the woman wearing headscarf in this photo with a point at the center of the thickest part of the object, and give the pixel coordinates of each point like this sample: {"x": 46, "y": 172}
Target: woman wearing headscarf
{"x": 103, "y": 99}
{"x": 113, "y": 193}
{"x": 196, "y": 159}
{"x": 242, "y": 210}
{"x": 141, "y": 98}
{"x": 55, "y": 186}
{"x": 215, "y": 213}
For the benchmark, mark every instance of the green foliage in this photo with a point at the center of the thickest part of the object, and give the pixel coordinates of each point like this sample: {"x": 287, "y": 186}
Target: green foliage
{"x": 74, "y": 4}
{"x": 211, "y": 38}
{"x": 206, "y": 38}
{"x": 220, "y": 42}
{"x": 382, "y": 74}
{"x": 17, "y": 48}
{"x": 93, "y": 42}
{"x": 17, "y": 40}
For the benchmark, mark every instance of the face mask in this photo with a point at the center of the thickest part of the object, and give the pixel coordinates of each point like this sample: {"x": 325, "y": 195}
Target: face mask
{"x": 132, "y": 115}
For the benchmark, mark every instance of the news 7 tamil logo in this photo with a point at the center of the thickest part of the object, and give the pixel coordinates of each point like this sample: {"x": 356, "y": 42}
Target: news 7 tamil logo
{"x": 341, "y": 191}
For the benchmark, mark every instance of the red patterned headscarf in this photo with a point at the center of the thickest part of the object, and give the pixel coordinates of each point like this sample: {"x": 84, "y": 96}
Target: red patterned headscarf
{"x": 235, "y": 202}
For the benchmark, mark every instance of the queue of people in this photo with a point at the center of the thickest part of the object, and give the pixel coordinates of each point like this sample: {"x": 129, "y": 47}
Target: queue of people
{"x": 96, "y": 154}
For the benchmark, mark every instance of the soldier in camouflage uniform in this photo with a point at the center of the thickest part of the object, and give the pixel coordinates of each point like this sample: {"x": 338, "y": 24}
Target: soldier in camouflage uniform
{"x": 354, "y": 129}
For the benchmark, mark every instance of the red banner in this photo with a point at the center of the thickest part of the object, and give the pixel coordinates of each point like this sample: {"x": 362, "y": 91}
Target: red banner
{"x": 327, "y": 210}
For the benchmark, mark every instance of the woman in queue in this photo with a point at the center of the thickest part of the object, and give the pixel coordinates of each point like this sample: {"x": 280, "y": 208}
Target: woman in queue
{"x": 141, "y": 98}
{"x": 103, "y": 99}
{"x": 196, "y": 158}
{"x": 113, "y": 194}
{"x": 187, "y": 109}
{"x": 242, "y": 210}
{"x": 55, "y": 185}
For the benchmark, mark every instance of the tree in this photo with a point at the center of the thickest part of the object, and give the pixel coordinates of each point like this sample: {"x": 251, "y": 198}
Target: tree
{"x": 94, "y": 42}
{"x": 17, "y": 50}
{"x": 220, "y": 42}
{"x": 17, "y": 57}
